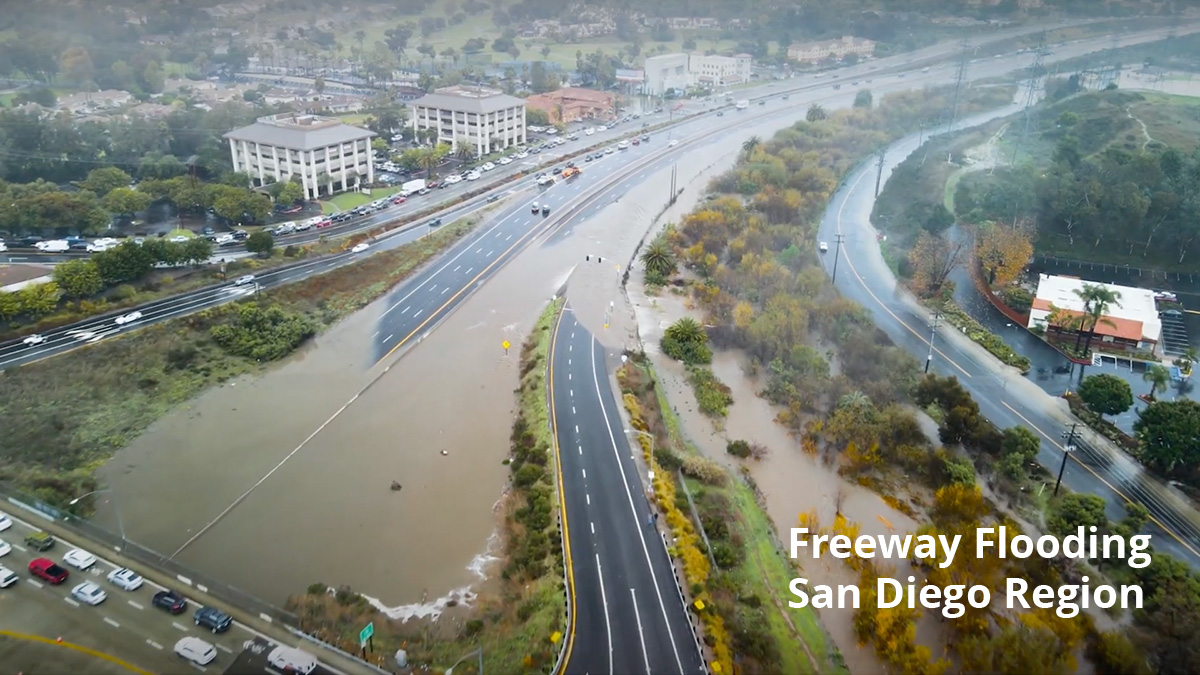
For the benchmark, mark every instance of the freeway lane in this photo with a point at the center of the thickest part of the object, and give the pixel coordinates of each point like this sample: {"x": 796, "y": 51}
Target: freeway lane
{"x": 1004, "y": 397}
{"x": 627, "y": 613}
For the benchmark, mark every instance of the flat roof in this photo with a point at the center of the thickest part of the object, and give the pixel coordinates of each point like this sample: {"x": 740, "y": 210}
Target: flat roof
{"x": 1134, "y": 314}
{"x": 479, "y": 100}
{"x": 299, "y": 132}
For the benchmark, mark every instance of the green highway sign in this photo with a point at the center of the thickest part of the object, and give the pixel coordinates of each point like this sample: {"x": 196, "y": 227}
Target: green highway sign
{"x": 365, "y": 634}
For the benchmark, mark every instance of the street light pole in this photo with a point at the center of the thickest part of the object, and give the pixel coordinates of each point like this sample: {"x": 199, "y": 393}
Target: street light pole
{"x": 116, "y": 510}
{"x": 478, "y": 651}
{"x": 1069, "y": 448}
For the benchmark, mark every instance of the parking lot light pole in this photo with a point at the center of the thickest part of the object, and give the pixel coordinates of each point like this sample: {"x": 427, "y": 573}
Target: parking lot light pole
{"x": 116, "y": 511}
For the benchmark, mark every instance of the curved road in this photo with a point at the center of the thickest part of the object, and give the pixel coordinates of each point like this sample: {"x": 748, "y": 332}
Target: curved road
{"x": 627, "y": 611}
{"x": 1004, "y": 397}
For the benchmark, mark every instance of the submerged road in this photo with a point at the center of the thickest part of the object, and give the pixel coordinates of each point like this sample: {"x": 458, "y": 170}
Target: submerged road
{"x": 627, "y": 611}
{"x": 1003, "y": 395}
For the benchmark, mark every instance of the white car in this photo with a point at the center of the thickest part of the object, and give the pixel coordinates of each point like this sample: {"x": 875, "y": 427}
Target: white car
{"x": 488, "y": 166}
{"x": 128, "y": 318}
{"x": 34, "y": 339}
{"x": 522, "y": 154}
{"x": 823, "y": 247}
{"x": 243, "y": 280}
{"x": 79, "y": 558}
{"x": 453, "y": 179}
{"x": 195, "y": 650}
{"x": 125, "y": 579}
{"x": 601, "y": 128}
{"x": 7, "y": 577}
{"x": 3, "y": 247}
{"x": 5, "y": 522}
{"x": 89, "y": 593}
{"x": 589, "y": 131}
{"x": 5, "y": 549}
{"x": 178, "y": 239}
{"x": 505, "y": 160}
{"x": 674, "y": 142}
{"x": 623, "y": 145}
{"x": 474, "y": 175}
{"x": 359, "y": 248}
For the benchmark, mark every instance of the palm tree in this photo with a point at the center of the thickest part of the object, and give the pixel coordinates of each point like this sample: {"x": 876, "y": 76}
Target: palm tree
{"x": 815, "y": 113}
{"x": 750, "y": 144}
{"x": 687, "y": 331}
{"x": 659, "y": 259}
{"x": 428, "y": 160}
{"x": 1097, "y": 300}
{"x": 463, "y": 150}
{"x": 855, "y": 399}
{"x": 1062, "y": 319}
{"x": 1158, "y": 377}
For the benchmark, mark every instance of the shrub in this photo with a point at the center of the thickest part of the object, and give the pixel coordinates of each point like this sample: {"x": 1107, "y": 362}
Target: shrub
{"x": 738, "y": 449}
{"x": 724, "y": 555}
{"x": 263, "y": 334}
{"x": 712, "y": 395}
{"x": 704, "y": 470}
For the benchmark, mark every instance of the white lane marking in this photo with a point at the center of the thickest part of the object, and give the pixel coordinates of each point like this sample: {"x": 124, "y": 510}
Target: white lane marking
{"x": 71, "y": 602}
{"x": 576, "y": 428}
{"x": 500, "y": 233}
{"x": 568, "y": 362}
{"x": 112, "y": 623}
{"x": 446, "y": 291}
{"x": 375, "y": 335}
{"x": 584, "y": 473}
{"x": 588, "y": 497}
{"x": 433, "y": 287}
{"x": 572, "y": 410}
{"x": 489, "y": 253}
{"x": 470, "y": 269}
{"x": 225, "y": 649}
{"x": 456, "y": 268}
{"x": 198, "y": 667}
{"x": 405, "y": 310}
{"x": 593, "y": 527}
{"x": 604, "y": 604}
{"x": 418, "y": 313}
{"x": 637, "y": 615}
{"x": 632, "y": 510}
{"x": 508, "y": 237}
{"x": 179, "y": 626}
{"x": 572, "y": 392}
{"x": 479, "y": 249}
{"x": 36, "y": 584}
{"x": 568, "y": 376}
{"x": 20, "y": 548}
{"x": 389, "y": 337}
{"x": 134, "y": 605}
{"x": 570, "y": 348}
{"x": 154, "y": 644}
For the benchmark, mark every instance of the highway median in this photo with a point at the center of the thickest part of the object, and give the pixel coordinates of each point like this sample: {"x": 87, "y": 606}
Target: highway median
{"x": 64, "y": 417}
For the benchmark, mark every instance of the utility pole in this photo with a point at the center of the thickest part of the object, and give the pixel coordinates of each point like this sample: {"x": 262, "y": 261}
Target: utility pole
{"x": 1068, "y": 449}
{"x": 937, "y": 318}
{"x": 674, "y": 169}
{"x": 960, "y": 79}
{"x": 837, "y": 253}
{"x": 879, "y": 170}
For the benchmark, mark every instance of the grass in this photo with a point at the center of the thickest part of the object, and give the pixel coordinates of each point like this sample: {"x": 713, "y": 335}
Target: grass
{"x": 349, "y": 200}
{"x": 177, "y": 69}
{"x": 64, "y": 417}
{"x": 181, "y": 233}
{"x": 761, "y": 570}
{"x": 354, "y": 118}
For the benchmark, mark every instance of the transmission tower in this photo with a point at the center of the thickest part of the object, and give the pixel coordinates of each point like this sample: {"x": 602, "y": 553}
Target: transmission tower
{"x": 1112, "y": 69}
{"x": 1036, "y": 77}
{"x": 960, "y": 79}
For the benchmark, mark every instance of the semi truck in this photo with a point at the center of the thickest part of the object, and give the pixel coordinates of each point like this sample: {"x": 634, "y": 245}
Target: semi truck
{"x": 743, "y": 104}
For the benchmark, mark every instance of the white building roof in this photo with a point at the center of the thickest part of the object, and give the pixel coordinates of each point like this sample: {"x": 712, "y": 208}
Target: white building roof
{"x": 1135, "y": 305}
{"x": 478, "y": 100}
{"x": 299, "y": 132}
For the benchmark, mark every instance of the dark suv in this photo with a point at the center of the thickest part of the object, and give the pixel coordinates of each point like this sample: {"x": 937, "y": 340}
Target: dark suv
{"x": 213, "y": 619}
{"x": 171, "y": 601}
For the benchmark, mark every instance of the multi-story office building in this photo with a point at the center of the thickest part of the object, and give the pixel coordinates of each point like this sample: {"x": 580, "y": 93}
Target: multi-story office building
{"x": 327, "y": 155}
{"x": 485, "y": 119}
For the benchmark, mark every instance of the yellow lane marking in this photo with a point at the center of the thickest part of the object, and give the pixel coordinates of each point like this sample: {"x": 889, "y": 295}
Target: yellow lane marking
{"x": 562, "y": 502}
{"x": 1100, "y": 478}
{"x": 79, "y": 648}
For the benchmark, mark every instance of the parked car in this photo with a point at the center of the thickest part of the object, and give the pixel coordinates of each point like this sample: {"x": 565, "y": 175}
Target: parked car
{"x": 170, "y": 601}
{"x": 46, "y": 569}
{"x": 212, "y": 619}
{"x": 125, "y": 579}
{"x": 195, "y": 650}
{"x": 89, "y": 593}
{"x": 79, "y": 559}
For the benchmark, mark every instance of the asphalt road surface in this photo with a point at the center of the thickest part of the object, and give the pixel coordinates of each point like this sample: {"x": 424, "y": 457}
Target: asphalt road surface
{"x": 865, "y": 277}
{"x": 628, "y": 615}
{"x": 126, "y": 627}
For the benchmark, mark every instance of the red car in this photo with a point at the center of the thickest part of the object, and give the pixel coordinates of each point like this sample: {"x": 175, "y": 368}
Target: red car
{"x": 398, "y": 200}
{"x": 45, "y": 568}
{"x": 324, "y": 223}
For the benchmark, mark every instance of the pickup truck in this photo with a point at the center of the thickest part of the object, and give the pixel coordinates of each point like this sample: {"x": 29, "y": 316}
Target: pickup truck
{"x": 46, "y": 569}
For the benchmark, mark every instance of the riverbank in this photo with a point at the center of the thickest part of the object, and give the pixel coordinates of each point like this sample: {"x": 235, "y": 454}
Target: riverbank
{"x": 66, "y": 416}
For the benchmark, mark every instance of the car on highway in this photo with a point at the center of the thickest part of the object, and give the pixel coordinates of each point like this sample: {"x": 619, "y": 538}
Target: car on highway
{"x": 473, "y": 175}
{"x": 488, "y": 166}
{"x": 823, "y": 247}
{"x": 195, "y": 650}
{"x": 399, "y": 199}
{"x": 5, "y": 522}
{"x": 79, "y": 559}
{"x": 39, "y": 541}
{"x": 212, "y": 619}
{"x": 535, "y": 207}
{"x": 128, "y": 318}
{"x": 89, "y": 593}
{"x": 125, "y": 579}
{"x": 170, "y": 601}
{"x": 359, "y": 248}
{"x": 244, "y": 279}
{"x": 290, "y": 659}
{"x": 5, "y": 548}
{"x": 505, "y": 160}
{"x": 623, "y": 145}
{"x": 436, "y": 222}
{"x": 493, "y": 198}
{"x": 545, "y": 210}
{"x": 523, "y": 154}
{"x": 7, "y": 577}
{"x": 46, "y": 569}
{"x": 33, "y": 340}
{"x": 674, "y": 142}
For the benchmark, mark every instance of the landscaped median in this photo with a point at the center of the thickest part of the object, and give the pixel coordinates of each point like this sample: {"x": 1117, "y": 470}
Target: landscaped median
{"x": 520, "y": 624}
{"x": 955, "y": 316}
{"x": 64, "y": 417}
{"x": 738, "y": 583}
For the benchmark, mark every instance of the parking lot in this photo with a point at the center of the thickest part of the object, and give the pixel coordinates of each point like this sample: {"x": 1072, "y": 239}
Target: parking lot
{"x": 126, "y": 627}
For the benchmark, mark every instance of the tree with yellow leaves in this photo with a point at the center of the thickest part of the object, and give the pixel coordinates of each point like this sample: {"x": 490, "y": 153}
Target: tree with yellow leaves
{"x": 1003, "y": 252}
{"x": 933, "y": 257}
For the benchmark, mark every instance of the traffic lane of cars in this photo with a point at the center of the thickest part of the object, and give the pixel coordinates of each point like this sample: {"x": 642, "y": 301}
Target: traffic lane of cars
{"x": 127, "y": 619}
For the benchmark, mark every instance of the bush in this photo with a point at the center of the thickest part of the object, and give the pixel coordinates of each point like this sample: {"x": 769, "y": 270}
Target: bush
{"x": 685, "y": 340}
{"x": 263, "y": 334}
{"x": 712, "y": 395}
{"x": 1018, "y": 299}
{"x": 724, "y": 555}
{"x": 738, "y": 449}
{"x": 704, "y": 470}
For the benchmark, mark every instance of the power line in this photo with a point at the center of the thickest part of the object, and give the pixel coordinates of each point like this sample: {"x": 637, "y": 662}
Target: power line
{"x": 1036, "y": 75}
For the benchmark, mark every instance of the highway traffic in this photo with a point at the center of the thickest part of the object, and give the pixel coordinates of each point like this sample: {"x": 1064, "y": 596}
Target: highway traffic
{"x": 125, "y": 627}
{"x": 628, "y": 615}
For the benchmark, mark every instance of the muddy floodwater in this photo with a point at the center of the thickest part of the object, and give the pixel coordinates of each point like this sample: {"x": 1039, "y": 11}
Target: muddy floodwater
{"x": 231, "y": 483}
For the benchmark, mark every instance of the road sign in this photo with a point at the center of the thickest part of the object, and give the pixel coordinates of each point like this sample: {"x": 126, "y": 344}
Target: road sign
{"x": 365, "y": 634}
{"x": 505, "y": 344}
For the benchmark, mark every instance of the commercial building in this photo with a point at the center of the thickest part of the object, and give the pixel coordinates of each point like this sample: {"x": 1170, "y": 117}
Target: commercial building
{"x": 1131, "y": 324}
{"x": 484, "y": 119}
{"x": 719, "y": 71}
{"x": 327, "y": 155}
{"x": 666, "y": 72}
{"x": 813, "y": 52}
{"x": 571, "y": 104}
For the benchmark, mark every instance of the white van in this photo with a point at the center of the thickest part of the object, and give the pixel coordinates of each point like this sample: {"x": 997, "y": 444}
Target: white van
{"x": 297, "y": 660}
